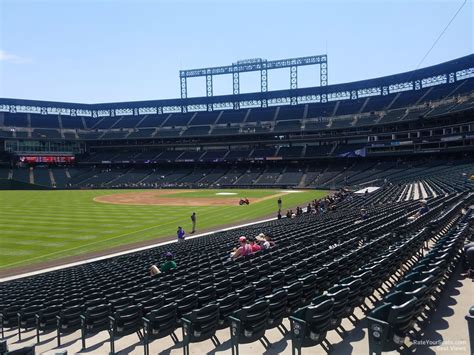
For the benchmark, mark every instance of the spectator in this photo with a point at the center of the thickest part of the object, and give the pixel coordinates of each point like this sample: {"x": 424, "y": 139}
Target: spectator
{"x": 154, "y": 270}
{"x": 243, "y": 250}
{"x": 180, "y": 234}
{"x": 268, "y": 242}
{"x": 193, "y": 220}
{"x": 424, "y": 208}
{"x": 279, "y": 214}
{"x": 254, "y": 246}
{"x": 364, "y": 214}
{"x": 168, "y": 265}
{"x": 308, "y": 208}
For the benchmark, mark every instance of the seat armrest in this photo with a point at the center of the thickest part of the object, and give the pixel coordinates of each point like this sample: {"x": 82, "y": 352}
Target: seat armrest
{"x": 112, "y": 323}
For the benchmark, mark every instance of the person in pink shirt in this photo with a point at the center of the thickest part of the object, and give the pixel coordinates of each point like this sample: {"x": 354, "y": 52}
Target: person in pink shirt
{"x": 254, "y": 246}
{"x": 244, "y": 248}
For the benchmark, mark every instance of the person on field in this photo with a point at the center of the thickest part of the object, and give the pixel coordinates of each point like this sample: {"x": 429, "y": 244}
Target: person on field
{"x": 168, "y": 265}
{"x": 279, "y": 202}
{"x": 181, "y": 234}
{"x": 193, "y": 221}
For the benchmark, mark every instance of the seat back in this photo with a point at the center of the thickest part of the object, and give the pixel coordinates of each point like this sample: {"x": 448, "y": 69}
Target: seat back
{"x": 26, "y": 316}
{"x": 121, "y": 303}
{"x": 152, "y": 303}
{"x": 46, "y": 318}
{"x": 227, "y": 306}
{"x": 202, "y": 323}
{"x": 277, "y": 303}
{"x": 206, "y": 295}
{"x": 246, "y": 295}
{"x": 190, "y": 288}
{"x": 249, "y": 323}
{"x": 309, "y": 288}
{"x": 173, "y": 295}
{"x": 388, "y": 324}
{"x": 295, "y": 296}
{"x": 127, "y": 320}
{"x": 69, "y": 318}
{"x": 309, "y": 325}
{"x": 277, "y": 280}
{"x": 96, "y": 317}
{"x": 223, "y": 288}
{"x": 263, "y": 287}
{"x": 161, "y": 322}
{"x": 186, "y": 305}
{"x": 8, "y": 316}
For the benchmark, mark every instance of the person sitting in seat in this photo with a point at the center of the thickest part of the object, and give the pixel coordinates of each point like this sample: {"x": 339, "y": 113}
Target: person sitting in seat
{"x": 243, "y": 250}
{"x": 254, "y": 246}
{"x": 168, "y": 265}
{"x": 424, "y": 207}
{"x": 268, "y": 242}
{"x": 364, "y": 214}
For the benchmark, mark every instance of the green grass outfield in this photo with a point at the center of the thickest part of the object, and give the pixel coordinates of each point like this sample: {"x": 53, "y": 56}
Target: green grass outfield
{"x": 37, "y": 226}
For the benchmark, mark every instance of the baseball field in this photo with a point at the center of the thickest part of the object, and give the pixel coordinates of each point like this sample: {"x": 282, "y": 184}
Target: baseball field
{"x": 40, "y": 226}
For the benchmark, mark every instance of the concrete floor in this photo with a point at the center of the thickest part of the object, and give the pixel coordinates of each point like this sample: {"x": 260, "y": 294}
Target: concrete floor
{"x": 446, "y": 334}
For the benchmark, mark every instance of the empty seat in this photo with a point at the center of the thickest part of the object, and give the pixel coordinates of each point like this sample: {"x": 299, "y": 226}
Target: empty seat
{"x": 227, "y": 306}
{"x": 160, "y": 323}
{"x": 124, "y": 322}
{"x": 46, "y": 319}
{"x": 200, "y": 325}
{"x": 389, "y": 323}
{"x": 248, "y": 325}
{"x": 69, "y": 320}
{"x": 93, "y": 320}
{"x": 309, "y": 325}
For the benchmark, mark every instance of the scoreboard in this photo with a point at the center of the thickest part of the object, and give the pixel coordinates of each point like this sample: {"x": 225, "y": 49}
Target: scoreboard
{"x": 47, "y": 159}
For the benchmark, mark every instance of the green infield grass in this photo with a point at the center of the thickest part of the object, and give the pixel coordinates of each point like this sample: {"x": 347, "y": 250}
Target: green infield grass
{"x": 37, "y": 226}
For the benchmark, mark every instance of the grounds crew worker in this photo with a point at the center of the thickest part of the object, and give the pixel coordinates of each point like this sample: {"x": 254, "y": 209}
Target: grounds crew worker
{"x": 193, "y": 220}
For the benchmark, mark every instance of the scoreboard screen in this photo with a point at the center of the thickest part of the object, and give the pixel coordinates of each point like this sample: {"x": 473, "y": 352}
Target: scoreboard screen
{"x": 48, "y": 159}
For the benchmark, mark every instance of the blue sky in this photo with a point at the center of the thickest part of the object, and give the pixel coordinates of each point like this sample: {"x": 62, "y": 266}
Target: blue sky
{"x": 104, "y": 51}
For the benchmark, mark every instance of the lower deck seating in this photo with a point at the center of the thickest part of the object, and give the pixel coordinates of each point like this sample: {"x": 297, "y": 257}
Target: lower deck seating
{"x": 317, "y": 274}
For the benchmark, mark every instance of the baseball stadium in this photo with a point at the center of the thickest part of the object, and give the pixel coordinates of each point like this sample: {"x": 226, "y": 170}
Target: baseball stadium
{"x": 335, "y": 218}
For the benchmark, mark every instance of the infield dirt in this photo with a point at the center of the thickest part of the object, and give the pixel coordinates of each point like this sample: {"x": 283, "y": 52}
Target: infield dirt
{"x": 161, "y": 198}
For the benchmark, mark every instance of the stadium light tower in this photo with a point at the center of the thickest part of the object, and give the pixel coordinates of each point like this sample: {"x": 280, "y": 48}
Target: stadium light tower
{"x": 252, "y": 65}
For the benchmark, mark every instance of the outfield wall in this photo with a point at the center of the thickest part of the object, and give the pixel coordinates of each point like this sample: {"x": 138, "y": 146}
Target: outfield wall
{"x": 7, "y": 184}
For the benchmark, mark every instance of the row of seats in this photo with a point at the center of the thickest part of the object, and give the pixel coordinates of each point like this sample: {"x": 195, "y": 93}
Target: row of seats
{"x": 426, "y": 179}
{"x": 313, "y": 255}
{"x": 416, "y": 296}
